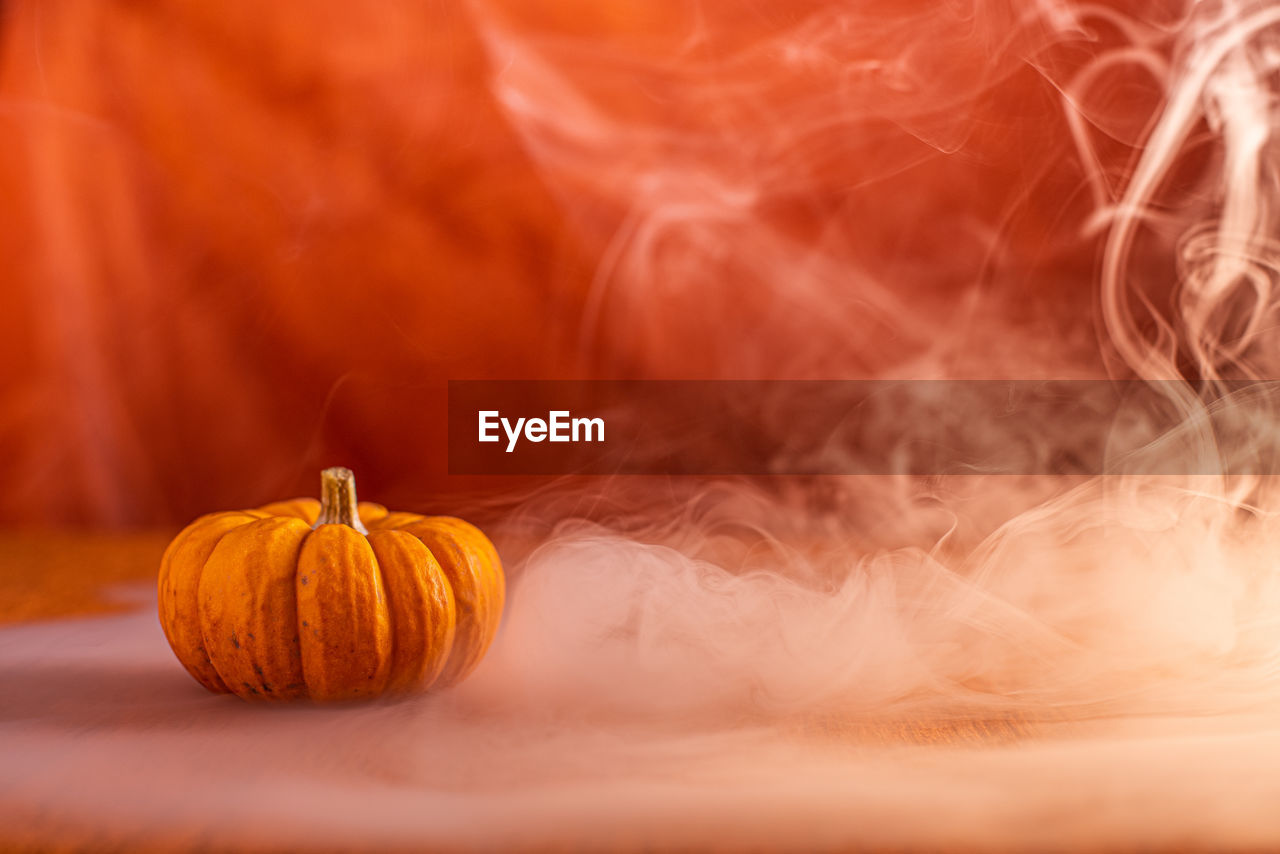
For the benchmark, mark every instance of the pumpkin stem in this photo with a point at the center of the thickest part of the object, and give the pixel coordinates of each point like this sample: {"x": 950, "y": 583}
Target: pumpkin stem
{"x": 338, "y": 499}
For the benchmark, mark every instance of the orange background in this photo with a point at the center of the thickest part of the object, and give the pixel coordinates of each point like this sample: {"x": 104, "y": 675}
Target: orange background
{"x": 244, "y": 241}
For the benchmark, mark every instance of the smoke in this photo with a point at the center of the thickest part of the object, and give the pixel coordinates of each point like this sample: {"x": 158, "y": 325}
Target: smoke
{"x": 1097, "y": 596}
{"x": 1224, "y": 86}
{"x": 867, "y": 189}
{"x": 1084, "y": 605}
{"x": 1131, "y": 602}
{"x": 825, "y": 193}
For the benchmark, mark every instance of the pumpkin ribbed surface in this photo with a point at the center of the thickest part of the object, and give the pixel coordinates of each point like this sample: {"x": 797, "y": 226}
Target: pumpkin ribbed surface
{"x": 262, "y": 604}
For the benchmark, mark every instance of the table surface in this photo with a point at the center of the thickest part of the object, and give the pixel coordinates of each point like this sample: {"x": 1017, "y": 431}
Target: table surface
{"x": 49, "y": 574}
{"x": 110, "y": 746}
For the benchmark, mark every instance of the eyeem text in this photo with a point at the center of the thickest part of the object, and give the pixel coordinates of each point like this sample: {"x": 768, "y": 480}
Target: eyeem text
{"x": 559, "y": 426}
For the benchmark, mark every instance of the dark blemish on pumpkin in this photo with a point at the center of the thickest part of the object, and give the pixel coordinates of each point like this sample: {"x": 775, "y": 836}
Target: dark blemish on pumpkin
{"x": 266, "y": 686}
{"x": 250, "y": 635}
{"x": 258, "y": 670}
{"x": 304, "y": 580}
{"x": 234, "y": 641}
{"x": 304, "y": 622}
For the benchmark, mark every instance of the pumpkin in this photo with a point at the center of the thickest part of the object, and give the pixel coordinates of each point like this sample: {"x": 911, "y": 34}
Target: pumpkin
{"x": 329, "y": 600}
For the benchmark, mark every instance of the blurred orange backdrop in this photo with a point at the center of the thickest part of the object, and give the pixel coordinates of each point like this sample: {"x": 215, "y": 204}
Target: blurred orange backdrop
{"x": 244, "y": 241}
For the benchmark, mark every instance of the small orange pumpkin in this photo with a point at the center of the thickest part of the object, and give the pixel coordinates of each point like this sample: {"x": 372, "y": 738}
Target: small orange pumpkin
{"x": 329, "y": 600}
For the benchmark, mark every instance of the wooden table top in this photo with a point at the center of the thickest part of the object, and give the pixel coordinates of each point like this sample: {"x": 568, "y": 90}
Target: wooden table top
{"x": 48, "y": 574}
{"x": 109, "y": 745}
